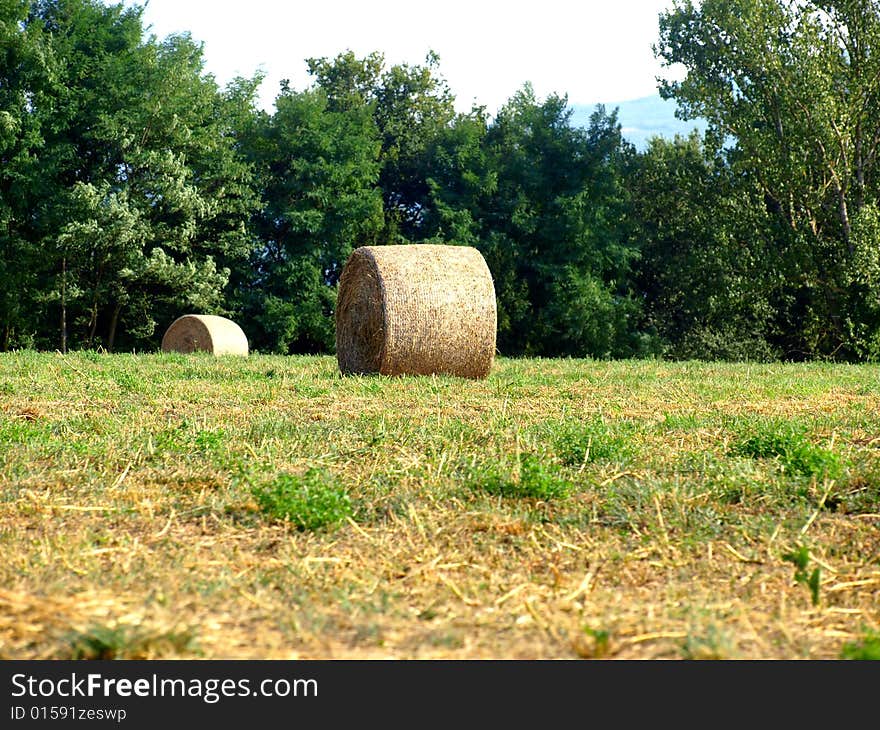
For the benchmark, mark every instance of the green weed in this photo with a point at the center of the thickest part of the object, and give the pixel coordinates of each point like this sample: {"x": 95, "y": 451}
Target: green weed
{"x": 582, "y": 442}
{"x": 800, "y": 556}
{"x": 790, "y": 447}
{"x": 210, "y": 441}
{"x": 308, "y": 501}
{"x": 734, "y": 481}
{"x": 529, "y": 477}
{"x": 868, "y": 648}
{"x": 714, "y": 644}
{"x": 599, "y": 643}
{"x": 124, "y": 642}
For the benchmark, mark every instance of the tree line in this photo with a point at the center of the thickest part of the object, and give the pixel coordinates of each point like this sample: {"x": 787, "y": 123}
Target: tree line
{"x": 133, "y": 189}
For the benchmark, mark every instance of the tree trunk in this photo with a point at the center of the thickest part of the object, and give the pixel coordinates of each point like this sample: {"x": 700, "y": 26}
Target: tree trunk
{"x": 64, "y": 305}
{"x": 844, "y": 219}
{"x": 860, "y": 169}
{"x": 114, "y": 320}
{"x": 93, "y": 324}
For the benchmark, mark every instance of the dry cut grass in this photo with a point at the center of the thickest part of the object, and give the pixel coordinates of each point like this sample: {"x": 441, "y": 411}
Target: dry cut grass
{"x": 555, "y": 510}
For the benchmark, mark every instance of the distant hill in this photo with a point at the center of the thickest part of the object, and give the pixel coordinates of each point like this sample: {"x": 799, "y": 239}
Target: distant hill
{"x": 641, "y": 119}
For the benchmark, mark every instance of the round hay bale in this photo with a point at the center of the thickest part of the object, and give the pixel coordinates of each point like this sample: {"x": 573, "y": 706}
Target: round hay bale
{"x": 205, "y": 333}
{"x": 416, "y": 309}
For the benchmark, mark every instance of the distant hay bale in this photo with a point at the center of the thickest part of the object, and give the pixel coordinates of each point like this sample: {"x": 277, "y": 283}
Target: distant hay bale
{"x": 205, "y": 333}
{"x": 417, "y": 309}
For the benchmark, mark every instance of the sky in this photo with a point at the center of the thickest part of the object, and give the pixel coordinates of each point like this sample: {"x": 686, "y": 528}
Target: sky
{"x": 595, "y": 51}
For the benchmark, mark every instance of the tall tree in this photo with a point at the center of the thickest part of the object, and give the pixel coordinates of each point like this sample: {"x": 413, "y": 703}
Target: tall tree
{"x": 792, "y": 88}
{"x": 24, "y": 77}
{"x": 459, "y": 177}
{"x": 140, "y": 192}
{"x": 318, "y": 165}
{"x": 704, "y": 273}
{"x": 412, "y": 106}
{"x": 555, "y": 231}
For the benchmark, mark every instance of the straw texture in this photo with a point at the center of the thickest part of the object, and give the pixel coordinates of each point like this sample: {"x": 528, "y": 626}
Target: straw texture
{"x": 416, "y": 310}
{"x": 205, "y": 333}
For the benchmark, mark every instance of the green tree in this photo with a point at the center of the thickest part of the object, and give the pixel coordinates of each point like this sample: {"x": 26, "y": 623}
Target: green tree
{"x": 792, "y": 89}
{"x": 318, "y": 165}
{"x": 411, "y": 106}
{"x": 141, "y": 195}
{"x": 459, "y": 177}
{"x": 23, "y": 82}
{"x": 348, "y": 81}
{"x": 555, "y": 231}
{"x": 706, "y": 269}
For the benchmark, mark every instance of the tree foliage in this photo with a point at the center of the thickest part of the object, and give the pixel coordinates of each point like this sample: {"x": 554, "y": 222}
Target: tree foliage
{"x": 134, "y": 189}
{"x": 554, "y": 230}
{"x": 411, "y": 107}
{"x": 793, "y": 89}
{"x": 317, "y": 163}
{"x": 706, "y": 270}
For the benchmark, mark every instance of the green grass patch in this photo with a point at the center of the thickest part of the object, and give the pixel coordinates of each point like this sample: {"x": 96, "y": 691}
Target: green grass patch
{"x": 101, "y": 642}
{"x": 528, "y": 477}
{"x": 309, "y": 501}
{"x": 800, "y": 556}
{"x": 867, "y": 648}
{"x": 578, "y": 442}
{"x": 789, "y": 446}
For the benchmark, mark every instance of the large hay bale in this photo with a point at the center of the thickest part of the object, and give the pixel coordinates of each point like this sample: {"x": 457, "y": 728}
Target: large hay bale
{"x": 416, "y": 310}
{"x": 205, "y": 333}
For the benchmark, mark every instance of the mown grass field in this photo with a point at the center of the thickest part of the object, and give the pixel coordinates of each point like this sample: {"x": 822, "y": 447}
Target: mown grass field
{"x": 170, "y": 506}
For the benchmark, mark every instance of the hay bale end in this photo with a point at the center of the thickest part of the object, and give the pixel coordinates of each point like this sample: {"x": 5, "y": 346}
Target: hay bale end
{"x": 417, "y": 309}
{"x": 205, "y": 333}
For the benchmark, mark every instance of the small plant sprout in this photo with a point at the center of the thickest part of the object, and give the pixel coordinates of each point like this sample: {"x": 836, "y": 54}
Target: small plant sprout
{"x": 800, "y": 556}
